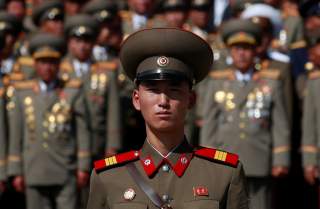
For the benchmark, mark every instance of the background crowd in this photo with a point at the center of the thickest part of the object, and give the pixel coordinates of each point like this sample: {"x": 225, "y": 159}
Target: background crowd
{"x": 54, "y": 125}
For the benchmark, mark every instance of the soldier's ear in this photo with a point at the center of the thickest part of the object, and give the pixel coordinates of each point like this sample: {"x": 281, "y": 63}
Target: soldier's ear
{"x": 136, "y": 99}
{"x": 192, "y": 99}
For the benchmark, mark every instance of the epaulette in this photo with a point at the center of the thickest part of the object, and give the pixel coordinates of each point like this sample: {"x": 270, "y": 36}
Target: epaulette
{"x": 273, "y": 74}
{"x": 125, "y": 15}
{"x": 26, "y": 61}
{"x": 217, "y": 156}
{"x": 65, "y": 66}
{"x": 314, "y": 74}
{"x": 105, "y": 66}
{"x": 298, "y": 44}
{"x": 73, "y": 83}
{"x": 16, "y": 76}
{"x": 24, "y": 84}
{"x": 2, "y": 91}
{"x": 116, "y": 160}
{"x": 221, "y": 74}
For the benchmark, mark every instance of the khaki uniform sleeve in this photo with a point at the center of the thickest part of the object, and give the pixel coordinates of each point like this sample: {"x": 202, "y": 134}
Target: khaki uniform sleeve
{"x": 280, "y": 129}
{"x": 114, "y": 137}
{"x": 238, "y": 197}
{"x": 3, "y": 140}
{"x": 97, "y": 194}
{"x": 15, "y": 119}
{"x": 82, "y": 133}
{"x": 309, "y": 127}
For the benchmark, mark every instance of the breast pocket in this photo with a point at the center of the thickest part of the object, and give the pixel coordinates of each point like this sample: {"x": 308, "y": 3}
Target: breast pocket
{"x": 201, "y": 204}
{"x": 130, "y": 205}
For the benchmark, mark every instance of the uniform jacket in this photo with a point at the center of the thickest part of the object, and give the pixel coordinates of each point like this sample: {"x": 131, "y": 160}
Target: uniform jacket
{"x": 247, "y": 119}
{"x": 184, "y": 179}
{"x": 49, "y": 136}
{"x": 3, "y": 139}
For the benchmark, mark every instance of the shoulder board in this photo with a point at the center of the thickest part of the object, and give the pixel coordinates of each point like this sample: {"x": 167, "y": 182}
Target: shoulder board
{"x": 314, "y": 74}
{"x": 16, "y": 76}
{"x": 27, "y": 61}
{"x": 1, "y": 91}
{"x": 218, "y": 156}
{"x": 125, "y": 14}
{"x": 221, "y": 74}
{"x": 24, "y": 84}
{"x": 6, "y": 80}
{"x": 116, "y": 160}
{"x": 273, "y": 74}
{"x": 111, "y": 66}
{"x": 73, "y": 83}
{"x": 66, "y": 66}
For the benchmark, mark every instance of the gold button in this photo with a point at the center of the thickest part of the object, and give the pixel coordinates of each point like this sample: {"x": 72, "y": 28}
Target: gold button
{"x": 45, "y": 135}
{"x": 242, "y": 125}
{"x": 242, "y": 114}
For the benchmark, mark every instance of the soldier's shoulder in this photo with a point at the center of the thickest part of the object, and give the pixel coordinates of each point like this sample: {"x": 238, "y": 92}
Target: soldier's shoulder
{"x": 218, "y": 156}
{"x": 314, "y": 75}
{"x": 25, "y": 85}
{"x": 73, "y": 83}
{"x": 125, "y": 14}
{"x": 105, "y": 66}
{"x": 116, "y": 161}
{"x": 270, "y": 73}
{"x": 221, "y": 74}
{"x": 66, "y": 66}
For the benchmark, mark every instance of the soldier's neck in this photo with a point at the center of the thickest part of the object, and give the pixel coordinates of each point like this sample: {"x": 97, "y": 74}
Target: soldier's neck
{"x": 164, "y": 142}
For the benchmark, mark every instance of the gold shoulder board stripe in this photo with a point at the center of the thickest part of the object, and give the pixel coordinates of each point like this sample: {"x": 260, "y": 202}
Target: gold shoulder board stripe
{"x": 65, "y": 66}
{"x": 125, "y": 14}
{"x": 74, "y": 83}
{"x": 16, "y": 76}
{"x": 314, "y": 74}
{"x": 24, "y": 84}
{"x": 221, "y": 74}
{"x": 106, "y": 66}
{"x": 270, "y": 74}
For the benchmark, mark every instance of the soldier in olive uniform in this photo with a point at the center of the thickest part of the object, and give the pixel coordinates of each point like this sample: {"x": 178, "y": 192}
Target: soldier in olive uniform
{"x": 244, "y": 112}
{"x": 100, "y": 84}
{"x": 49, "y": 147}
{"x": 167, "y": 172}
{"x": 310, "y": 138}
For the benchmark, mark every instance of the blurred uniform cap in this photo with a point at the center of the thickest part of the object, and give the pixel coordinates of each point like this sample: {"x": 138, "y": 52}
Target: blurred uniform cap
{"x": 48, "y": 10}
{"x": 44, "y": 45}
{"x": 263, "y": 10}
{"x": 172, "y": 5}
{"x": 310, "y": 8}
{"x": 102, "y": 10}
{"x": 204, "y": 5}
{"x": 166, "y": 54}
{"x": 239, "y": 31}
{"x": 81, "y": 26}
{"x": 9, "y": 23}
{"x": 240, "y": 5}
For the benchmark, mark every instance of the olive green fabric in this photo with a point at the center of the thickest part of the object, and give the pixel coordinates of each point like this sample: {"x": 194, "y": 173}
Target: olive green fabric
{"x": 40, "y": 12}
{"x": 103, "y": 10}
{"x": 49, "y": 135}
{"x": 225, "y": 184}
{"x": 81, "y": 25}
{"x": 3, "y": 140}
{"x": 247, "y": 119}
{"x": 9, "y": 23}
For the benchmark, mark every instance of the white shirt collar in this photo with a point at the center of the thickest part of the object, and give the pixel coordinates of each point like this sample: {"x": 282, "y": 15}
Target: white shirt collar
{"x": 46, "y": 87}
{"x": 169, "y": 153}
{"x": 139, "y": 21}
{"x": 244, "y": 77}
{"x": 81, "y": 68}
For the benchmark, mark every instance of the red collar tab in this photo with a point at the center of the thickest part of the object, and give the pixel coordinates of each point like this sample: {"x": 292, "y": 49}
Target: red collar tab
{"x": 218, "y": 156}
{"x": 148, "y": 165}
{"x": 116, "y": 160}
{"x": 182, "y": 164}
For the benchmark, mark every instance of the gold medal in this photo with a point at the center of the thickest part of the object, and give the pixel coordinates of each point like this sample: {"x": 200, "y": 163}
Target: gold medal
{"x": 56, "y": 108}
{"x": 51, "y": 119}
{"x": 61, "y": 118}
{"x": 29, "y": 110}
{"x": 230, "y": 96}
{"x": 28, "y": 101}
{"x": 219, "y": 96}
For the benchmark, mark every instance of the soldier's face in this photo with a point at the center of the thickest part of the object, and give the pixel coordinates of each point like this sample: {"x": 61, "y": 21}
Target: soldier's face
{"x": 314, "y": 55}
{"x": 163, "y": 104}
{"x": 242, "y": 56}
{"x": 53, "y": 26}
{"x": 80, "y": 48}
{"x": 47, "y": 68}
{"x": 175, "y": 19}
{"x": 199, "y": 18}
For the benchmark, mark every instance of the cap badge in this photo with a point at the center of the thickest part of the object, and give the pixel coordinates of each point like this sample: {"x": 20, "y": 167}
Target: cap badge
{"x": 129, "y": 194}
{"x": 162, "y": 61}
{"x": 184, "y": 160}
{"x": 147, "y": 162}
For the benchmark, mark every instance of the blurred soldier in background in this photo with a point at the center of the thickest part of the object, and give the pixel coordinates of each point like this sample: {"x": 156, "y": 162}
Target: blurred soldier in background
{"x": 244, "y": 112}
{"x": 175, "y": 13}
{"x": 49, "y": 136}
